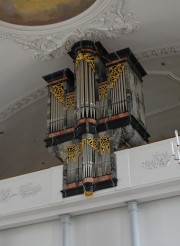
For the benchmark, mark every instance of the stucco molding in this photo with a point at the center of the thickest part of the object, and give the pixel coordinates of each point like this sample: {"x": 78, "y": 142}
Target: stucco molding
{"x": 168, "y": 74}
{"x": 24, "y": 191}
{"x": 158, "y": 160}
{"x": 163, "y": 51}
{"x": 23, "y": 102}
{"x": 104, "y": 19}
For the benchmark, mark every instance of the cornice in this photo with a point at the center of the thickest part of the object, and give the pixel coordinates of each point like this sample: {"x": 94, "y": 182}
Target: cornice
{"x": 168, "y": 74}
{"x": 22, "y": 103}
{"x": 163, "y": 51}
{"x": 104, "y": 19}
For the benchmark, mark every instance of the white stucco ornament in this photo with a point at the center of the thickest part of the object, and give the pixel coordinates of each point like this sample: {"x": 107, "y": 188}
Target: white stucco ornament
{"x": 24, "y": 191}
{"x": 159, "y": 160}
{"x": 104, "y": 19}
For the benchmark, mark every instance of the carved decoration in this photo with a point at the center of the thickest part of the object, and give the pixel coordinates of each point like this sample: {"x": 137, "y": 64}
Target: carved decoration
{"x": 159, "y": 160}
{"x": 29, "y": 190}
{"x": 70, "y": 100}
{"x": 24, "y": 191}
{"x": 107, "y": 19}
{"x": 88, "y": 58}
{"x": 5, "y": 195}
{"x": 102, "y": 90}
{"x": 92, "y": 142}
{"x": 105, "y": 144}
{"x": 71, "y": 153}
{"x": 158, "y": 52}
{"x": 58, "y": 92}
{"x": 115, "y": 73}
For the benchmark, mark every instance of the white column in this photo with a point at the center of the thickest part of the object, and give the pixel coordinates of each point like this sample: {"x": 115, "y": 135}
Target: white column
{"x": 65, "y": 222}
{"x": 134, "y": 226}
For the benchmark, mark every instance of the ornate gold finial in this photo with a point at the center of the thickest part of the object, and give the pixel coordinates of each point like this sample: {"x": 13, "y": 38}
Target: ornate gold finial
{"x": 58, "y": 92}
{"x": 70, "y": 153}
{"x": 70, "y": 100}
{"x": 105, "y": 144}
{"x": 87, "y": 57}
{"x": 102, "y": 90}
{"x": 114, "y": 74}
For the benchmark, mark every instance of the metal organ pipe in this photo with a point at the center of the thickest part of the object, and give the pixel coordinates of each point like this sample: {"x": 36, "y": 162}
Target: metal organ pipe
{"x": 118, "y": 89}
{"x": 82, "y": 88}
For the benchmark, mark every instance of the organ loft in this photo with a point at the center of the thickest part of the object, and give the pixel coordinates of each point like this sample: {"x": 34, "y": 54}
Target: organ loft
{"x": 92, "y": 113}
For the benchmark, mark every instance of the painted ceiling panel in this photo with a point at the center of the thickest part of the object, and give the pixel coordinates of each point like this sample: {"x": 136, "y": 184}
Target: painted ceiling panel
{"x": 41, "y": 12}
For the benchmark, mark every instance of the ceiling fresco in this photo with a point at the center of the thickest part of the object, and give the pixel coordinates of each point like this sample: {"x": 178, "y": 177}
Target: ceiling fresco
{"x": 41, "y": 12}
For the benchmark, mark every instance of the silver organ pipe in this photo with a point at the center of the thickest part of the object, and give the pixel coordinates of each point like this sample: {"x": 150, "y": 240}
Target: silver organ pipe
{"x": 82, "y": 88}
{"x": 103, "y": 100}
{"x": 93, "y": 93}
{"x": 70, "y": 107}
{"x": 105, "y": 153}
{"x": 118, "y": 89}
{"x": 86, "y": 102}
{"x": 71, "y": 163}
{"x": 86, "y": 89}
{"x": 57, "y": 107}
{"x": 78, "y": 92}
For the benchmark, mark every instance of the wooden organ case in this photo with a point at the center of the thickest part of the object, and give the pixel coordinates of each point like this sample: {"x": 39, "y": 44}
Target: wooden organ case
{"x": 93, "y": 113}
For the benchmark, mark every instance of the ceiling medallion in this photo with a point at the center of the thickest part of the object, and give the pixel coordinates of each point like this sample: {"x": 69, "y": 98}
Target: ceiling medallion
{"x": 104, "y": 19}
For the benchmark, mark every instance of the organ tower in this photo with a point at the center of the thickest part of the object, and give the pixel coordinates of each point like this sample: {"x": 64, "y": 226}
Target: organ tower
{"x": 94, "y": 112}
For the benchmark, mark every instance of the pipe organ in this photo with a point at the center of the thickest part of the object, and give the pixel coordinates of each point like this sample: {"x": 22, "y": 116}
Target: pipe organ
{"x": 92, "y": 113}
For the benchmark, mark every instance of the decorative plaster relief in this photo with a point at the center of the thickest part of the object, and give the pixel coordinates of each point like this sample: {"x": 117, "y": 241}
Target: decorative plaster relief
{"x": 22, "y": 103}
{"x": 24, "y": 191}
{"x": 107, "y": 19}
{"x": 29, "y": 190}
{"x": 159, "y": 160}
{"x": 158, "y": 52}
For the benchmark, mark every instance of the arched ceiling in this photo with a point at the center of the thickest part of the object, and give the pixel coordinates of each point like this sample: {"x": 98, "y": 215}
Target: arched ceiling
{"x": 149, "y": 28}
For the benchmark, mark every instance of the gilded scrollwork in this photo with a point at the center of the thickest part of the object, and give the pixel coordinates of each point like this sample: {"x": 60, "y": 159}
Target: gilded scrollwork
{"x": 102, "y": 90}
{"x": 70, "y": 100}
{"x": 70, "y": 153}
{"x": 114, "y": 74}
{"x": 88, "y": 58}
{"x": 92, "y": 142}
{"x": 58, "y": 92}
{"x": 105, "y": 144}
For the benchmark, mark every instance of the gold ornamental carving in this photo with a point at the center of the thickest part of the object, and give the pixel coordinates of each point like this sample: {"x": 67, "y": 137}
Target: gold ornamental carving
{"x": 58, "y": 92}
{"x": 70, "y": 153}
{"x": 88, "y": 58}
{"x": 92, "y": 142}
{"x": 70, "y": 100}
{"x": 102, "y": 90}
{"x": 105, "y": 144}
{"x": 115, "y": 73}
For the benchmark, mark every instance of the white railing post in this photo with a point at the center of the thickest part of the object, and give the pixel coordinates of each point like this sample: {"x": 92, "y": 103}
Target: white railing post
{"x": 133, "y": 220}
{"x": 65, "y": 222}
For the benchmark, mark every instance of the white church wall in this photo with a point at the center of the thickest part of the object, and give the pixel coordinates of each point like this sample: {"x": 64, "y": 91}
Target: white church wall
{"x": 46, "y": 234}
{"x": 159, "y": 223}
{"x": 105, "y": 228}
